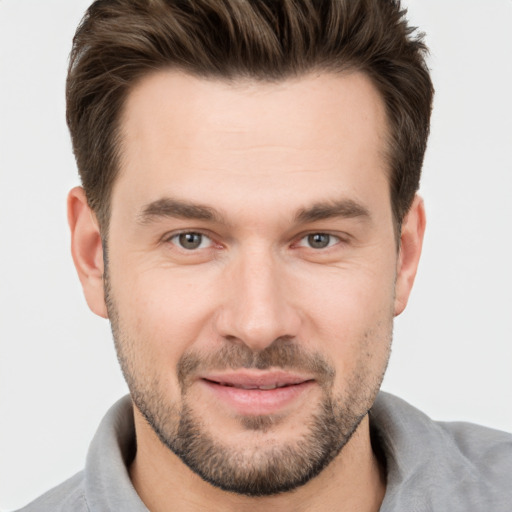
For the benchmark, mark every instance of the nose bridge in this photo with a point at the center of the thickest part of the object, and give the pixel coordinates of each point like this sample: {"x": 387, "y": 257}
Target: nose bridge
{"x": 258, "y": 309}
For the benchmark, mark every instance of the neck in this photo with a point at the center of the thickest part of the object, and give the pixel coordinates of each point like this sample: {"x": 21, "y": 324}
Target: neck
{"x": 354, "y": 480}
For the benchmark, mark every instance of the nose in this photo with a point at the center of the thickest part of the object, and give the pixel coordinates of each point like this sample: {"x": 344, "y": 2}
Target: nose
{"x": 258, "y": 307}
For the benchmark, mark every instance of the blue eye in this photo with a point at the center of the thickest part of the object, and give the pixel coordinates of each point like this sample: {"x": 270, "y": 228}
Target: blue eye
{"x": 319, "y": 240}
{"x": 191, "y": 240}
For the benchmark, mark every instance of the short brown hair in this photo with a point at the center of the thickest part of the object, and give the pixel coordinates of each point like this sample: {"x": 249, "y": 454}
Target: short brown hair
{"x": 120, "y": 41}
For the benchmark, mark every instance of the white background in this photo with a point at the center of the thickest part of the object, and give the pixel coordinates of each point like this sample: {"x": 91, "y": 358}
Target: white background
{"x": 453, "y": 346}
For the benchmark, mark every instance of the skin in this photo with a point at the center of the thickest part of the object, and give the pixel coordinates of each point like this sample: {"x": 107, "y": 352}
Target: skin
{"x": 259, "y": 155}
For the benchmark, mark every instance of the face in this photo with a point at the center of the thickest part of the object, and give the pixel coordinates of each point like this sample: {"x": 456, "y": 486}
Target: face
{"x": 253, "y": 270}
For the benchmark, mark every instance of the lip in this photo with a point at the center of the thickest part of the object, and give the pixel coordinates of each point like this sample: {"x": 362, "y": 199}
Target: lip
{"x": 255, "y": 393}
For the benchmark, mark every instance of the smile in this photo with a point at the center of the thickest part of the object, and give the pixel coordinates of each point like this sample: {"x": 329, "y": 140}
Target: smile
{"x": 263, "y": 387}
{"x": 249, "y": 393}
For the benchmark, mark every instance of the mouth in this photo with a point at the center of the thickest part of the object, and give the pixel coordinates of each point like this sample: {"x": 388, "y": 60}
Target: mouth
{"x": 257, "y": 379}
{"x": 265, "y": 387}
{"x": 257, "y": 393}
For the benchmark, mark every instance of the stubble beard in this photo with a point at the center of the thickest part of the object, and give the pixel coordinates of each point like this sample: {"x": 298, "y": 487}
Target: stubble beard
{"x": 259, "y": 470}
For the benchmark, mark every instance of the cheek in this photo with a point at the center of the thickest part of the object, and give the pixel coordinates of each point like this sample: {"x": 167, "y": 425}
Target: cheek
{"x": 162, "y": 310}
{"x": 350, "y": 318}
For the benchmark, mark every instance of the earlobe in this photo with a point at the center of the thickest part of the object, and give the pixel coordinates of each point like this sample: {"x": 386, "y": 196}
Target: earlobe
{"x": 87, "y": 250}
{"x": 411, "y": 241}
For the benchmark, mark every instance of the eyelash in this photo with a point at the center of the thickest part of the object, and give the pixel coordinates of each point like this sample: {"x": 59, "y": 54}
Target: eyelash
{"x": 309, "y": 236}
{"x": 177, "y": 236}
{"x": 331, "y": 238}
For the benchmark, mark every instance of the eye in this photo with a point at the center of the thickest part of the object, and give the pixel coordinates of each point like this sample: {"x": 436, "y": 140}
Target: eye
{"x": 318, "y": 241}
{"x": 191, "y": 241}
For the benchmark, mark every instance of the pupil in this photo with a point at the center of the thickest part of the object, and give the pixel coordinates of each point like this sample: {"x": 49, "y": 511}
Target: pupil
{"x": 318, "y": 240}
{"x": 190, "y": 240}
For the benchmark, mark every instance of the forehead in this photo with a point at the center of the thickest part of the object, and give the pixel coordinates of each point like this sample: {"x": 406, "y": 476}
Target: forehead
{"x": 194, "y": 110}
{"x": 298, "y": 136}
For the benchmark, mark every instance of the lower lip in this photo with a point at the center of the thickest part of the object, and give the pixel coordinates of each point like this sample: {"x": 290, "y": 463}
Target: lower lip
{"x": 254, "y": 402}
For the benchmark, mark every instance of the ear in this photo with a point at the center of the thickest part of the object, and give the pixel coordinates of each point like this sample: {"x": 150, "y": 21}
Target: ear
{"x": 411, "y": 241}
{"x": 87, "y": 250}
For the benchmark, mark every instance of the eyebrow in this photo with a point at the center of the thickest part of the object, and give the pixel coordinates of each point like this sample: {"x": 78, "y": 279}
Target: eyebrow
{"x": 345, "y": 208}
{"x": 177, "y": 209}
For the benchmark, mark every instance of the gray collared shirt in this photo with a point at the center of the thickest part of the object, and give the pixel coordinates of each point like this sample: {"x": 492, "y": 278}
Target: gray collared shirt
{"x": 431, "y": 466}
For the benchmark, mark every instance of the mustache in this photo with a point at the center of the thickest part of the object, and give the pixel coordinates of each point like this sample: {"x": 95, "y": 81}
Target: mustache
{"x": 283, "y": 353}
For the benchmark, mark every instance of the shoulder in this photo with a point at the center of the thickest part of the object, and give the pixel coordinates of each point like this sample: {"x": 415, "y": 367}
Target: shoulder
{"x": 66, "y": 497}
{"x": 487, "y": 450}
{"x": 438, "y": 465}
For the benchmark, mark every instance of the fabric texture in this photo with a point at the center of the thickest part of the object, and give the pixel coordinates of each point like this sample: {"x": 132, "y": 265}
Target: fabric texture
{"x": 431, "y": 466}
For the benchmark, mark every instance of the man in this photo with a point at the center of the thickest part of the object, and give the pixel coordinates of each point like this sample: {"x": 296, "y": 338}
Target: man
{"x": 249, "y": 225}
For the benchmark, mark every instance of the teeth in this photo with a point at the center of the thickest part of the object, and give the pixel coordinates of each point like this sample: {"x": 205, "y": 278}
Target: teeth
{"x": 263, "y": 388}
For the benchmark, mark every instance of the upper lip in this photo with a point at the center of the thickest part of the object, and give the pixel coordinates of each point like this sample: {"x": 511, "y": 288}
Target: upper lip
{"x": 256, "y": 379}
